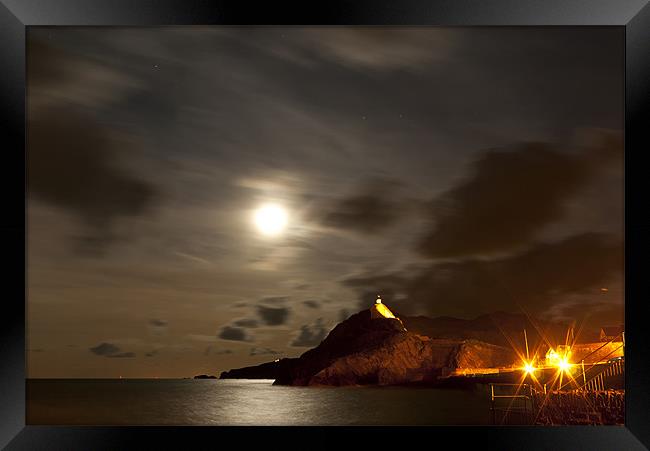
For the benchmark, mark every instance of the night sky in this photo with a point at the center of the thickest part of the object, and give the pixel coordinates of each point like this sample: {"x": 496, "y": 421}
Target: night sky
{"x": 454, "y": 171}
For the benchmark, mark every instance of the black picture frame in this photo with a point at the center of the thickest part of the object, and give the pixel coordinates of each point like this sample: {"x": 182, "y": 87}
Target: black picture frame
{"x": 16, "y": 15}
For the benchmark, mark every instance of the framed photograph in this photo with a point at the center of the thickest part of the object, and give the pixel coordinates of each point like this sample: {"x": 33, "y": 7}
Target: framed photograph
{"x": 366, "y": 216}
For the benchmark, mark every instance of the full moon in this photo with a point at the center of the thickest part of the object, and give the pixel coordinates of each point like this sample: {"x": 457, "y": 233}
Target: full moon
{"x": 271, "y": 219}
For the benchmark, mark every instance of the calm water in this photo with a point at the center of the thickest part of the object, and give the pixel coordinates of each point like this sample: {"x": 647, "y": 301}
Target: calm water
{"x": 246, "y": 402}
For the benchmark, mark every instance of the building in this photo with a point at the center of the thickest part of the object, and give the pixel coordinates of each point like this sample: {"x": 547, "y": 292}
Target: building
{"x": 555, "y": 357}
{"x": 612, "y": 333}
{"x": 380, "y": 310}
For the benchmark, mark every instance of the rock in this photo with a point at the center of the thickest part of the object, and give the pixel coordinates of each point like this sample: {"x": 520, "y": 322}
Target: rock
{"x": 372, "y": 349}
{"x": 477, "y": 354}
{"x": 359, "y": 333}
{"x": 409, "y": 359}
{"x": 205, "y": 376}
{"x": 268, "y": 370}
{"x": 378, "y": 351}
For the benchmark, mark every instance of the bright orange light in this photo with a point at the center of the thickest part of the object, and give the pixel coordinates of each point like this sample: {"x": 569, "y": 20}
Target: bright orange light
{"x": 529, "y": 368}
{"x": 564, "y": 365}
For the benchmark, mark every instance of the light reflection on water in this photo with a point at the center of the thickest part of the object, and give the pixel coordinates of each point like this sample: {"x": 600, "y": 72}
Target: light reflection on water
{"x": 246, "y": 402}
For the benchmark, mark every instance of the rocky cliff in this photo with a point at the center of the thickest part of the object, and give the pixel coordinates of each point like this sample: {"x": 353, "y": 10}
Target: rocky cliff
{"x": 378, "y": 351}
{"x": 371, "y": 350}
{"x": 269, "y": 370}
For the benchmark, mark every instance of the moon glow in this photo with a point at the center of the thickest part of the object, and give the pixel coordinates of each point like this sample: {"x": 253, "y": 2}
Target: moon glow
{"x": 271, "y": 219}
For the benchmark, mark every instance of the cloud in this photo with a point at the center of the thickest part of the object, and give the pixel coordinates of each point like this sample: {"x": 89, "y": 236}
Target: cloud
{"x": 157, "y": 326}
{"x": 209, "y": 350}
{"x": 105, "y": 349}
{"x": 122, "y": 355}
{"x": 60, "y": 77}
{"x": 537, "y": 278}
{"x": 200, "y": 337}
{"x": 310, "y": 335}
{"x": 311, "y": 304}
{"x": 273, "y": 316}
{"x": 600, "y": 312}
{"x": 153, "y": 353}
{"x": 110, "y": 350}
{"x": 371, "y": 210}
{"x": 72, "y": 163}
{"x": 262, "y": 351}
{"x": 246, "y": 322}
{"x": 509, "y": 196}
{"x": 233, "y": 334}
{"x": 360, "y": 48}
{"x": 388, "y": 286}
{"x": 274, "y": 299}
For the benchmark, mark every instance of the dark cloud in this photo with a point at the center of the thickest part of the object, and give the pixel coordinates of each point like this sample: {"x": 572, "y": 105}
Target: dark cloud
{"x": 590, "y": 314}
{"x": 110, "y": 350}
{"x": 274, "y": 300}
{"x": 153, "y": 353}
{"x": 388, "y": 286}
{"x": 263, "y": 351}
{"x": 122, "y": 355}
{"x": 382, "y": 283}
{"x": 36, "y": 350}
{"x": 535, "y": 279}
{"x": 510, "y": 195}
{"x": 233, "y": 334}
{"x": 310, "y": 335}
{"x": 72, "y": 163}
{"x": 157, "y": 327}
{"x": 105, "y": 349}
{"x": 311, "y": 304}
{"x": 370, "y": 211}
{"x": 246, "y": 322}
{"x": 273, "y": 316}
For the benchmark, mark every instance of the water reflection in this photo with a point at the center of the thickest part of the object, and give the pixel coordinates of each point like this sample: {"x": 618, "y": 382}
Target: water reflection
{"x": 245, "y": 402}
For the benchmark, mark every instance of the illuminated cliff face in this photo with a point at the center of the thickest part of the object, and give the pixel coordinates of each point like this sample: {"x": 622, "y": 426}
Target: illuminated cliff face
{"x": 381, "y": 311}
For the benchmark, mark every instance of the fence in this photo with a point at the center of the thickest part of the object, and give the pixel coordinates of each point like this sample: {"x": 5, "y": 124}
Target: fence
{"x": 512, "y": 404}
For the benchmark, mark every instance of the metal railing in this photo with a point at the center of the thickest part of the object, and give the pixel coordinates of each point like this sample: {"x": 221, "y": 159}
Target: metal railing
{"x": 511, "y": 404}
{"x": 601, "y": 381}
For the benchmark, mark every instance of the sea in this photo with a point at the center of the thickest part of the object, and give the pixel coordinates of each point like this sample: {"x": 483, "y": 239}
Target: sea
{"x": 240, "y": 402}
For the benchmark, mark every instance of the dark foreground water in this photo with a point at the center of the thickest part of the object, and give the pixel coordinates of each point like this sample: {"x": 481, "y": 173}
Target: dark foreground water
{"x": 246, "y": 402}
